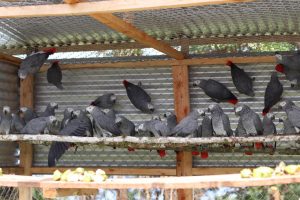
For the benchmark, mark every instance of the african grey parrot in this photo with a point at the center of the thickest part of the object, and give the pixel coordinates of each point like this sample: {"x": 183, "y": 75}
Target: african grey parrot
{"x": 241, "y": 80}
{"x": 290, "y": 61}
{"x": 103, "y": 121}
{"x": 171, "y": 120}
{"x": 288, "y": 128}
{"x": 269, "y": 128}
{"x": 38, "y": 125}
{"x": 292, "y": 111}
{"x": 292, "y": 75}
{"x": 251, "y": 122}
{"x": 216, "y": 90}
{"x": 28, "y": 114}
{"x": 79, "y": 126}
{"x": 50, "y": 110}
{"x": 68, "y": 115}
{"x": 5, "y": 124}
{"x": 54, "y": 75}
{"x": 206, "y": 127}
{"x": 138, "y": 97}
{"x": 155, "y": 127}
{"x": 273, "y": 93}
{"x": 220, "y": 121}
{"x": 105, "y": 101}
{"x": 17, "y": 123}
{"x": 126, "y": 126}
{"x": 32, "y": 63}
{"x": 188, "y": 126}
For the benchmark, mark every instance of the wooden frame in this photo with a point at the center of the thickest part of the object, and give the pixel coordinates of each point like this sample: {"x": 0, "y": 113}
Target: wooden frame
{"x": 87, "y": 8}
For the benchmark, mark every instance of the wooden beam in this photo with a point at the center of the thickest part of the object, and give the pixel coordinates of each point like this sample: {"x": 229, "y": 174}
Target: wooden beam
{"x": 26, "y": 99}
{"x": 10, "y": 59}
{"x": 108, "y": 6}
{"x": 164, "y": 63}
{"x": 71, "y": 1}
{"x": 56, "y": 193}
{"x": 129, "y": 30}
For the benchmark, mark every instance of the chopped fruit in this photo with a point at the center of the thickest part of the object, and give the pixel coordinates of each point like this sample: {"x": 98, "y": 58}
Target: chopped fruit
{"x": 246, "y": 173}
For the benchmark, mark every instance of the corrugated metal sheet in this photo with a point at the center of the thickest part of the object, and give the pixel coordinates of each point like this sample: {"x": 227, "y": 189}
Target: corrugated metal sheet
{"x": 221, "y": 73}
{"x": 9, "y": 95}
{"x": 83, "y": 86}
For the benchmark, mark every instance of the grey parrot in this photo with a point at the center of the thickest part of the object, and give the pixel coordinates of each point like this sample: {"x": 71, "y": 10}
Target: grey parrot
{"x": 188, "y": 126}
{"x": 206, "y": 127}
{"x": 269, "y": 128}
{"x": 126, "y": 126}
{"x": 273, "y": 93}
{"x": 28, "y": 114}
{"x": 50, "y": 110}
{"x": 17, "y": 123}
{"x": 138, "y": 97}
{"x": 220, "y": 121}
{"x": 217, "y": 91}
{"x": 68, "y": 115}
{"x": 54, "y": 75}
{"x": 38, "y": 125}
{"x": 79, "y": 126}
{"x": 288, "y": 128}
{"x": 292, "y": 111}
{"x": 241, "y": 132}
{"x": 32, "y": 63}
{"x": 171, "y": 120}
{"x": 155, "y": 127}
{"x": 103, "y": 121}
{"x": 251, "y": 123}
{"x": 290, "y": 61}
{"x": 5, "y": 124}
{"x": 105, "y": 101}
{"x": 292, "y": 75}
{"x": 241, "y": 80}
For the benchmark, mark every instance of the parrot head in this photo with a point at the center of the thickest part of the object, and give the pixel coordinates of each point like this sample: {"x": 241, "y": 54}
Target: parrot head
{"x": 196, "y": 83}
{"x": 201, "y": 112}
{"x": 271, "y": 116}
{"x": 54, "y": 105}
{"x": 23, "y": 109}
{"x": 278, "y": 56}
{"x": 90, "y": 109}
{"x": 167, "y": 114}
{"x": 22, "y": 74}
{"x": 150, "y": 107}
{"x": 156, "y": 117}
{"x": 6, "y": 110}
{"x": 77, "y": 113}
{"x": 118, "y": 120}
{"x": 70, "y": 110}
{"x": 113, "y": 98}
{"x": 238, "y": 110}
{"x": 279, "y": 68}
{"x": 52, "y": 119}
{"x": 141, "y": 127}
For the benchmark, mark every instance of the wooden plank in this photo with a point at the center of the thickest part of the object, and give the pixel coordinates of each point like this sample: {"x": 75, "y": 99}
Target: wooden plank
{"x": 55, "y": 193}
{"x": 10, "y": 59}
{"x": 71, "y": 1}
{"x": 184, "y": 182}
{"x": 164, "y": 63}
{"x": 87, "y": 8}
{"x": 111, "y": 171}
{"x": 26, "y": 99}
{"x": 12, "y": 170}
{"x": 121, "y": 26}
{"x": 25, "y": 193}
{"x": 182, "y": 109}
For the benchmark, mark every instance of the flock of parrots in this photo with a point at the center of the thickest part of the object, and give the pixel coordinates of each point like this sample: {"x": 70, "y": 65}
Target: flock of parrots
{"x": 100, "y": 119}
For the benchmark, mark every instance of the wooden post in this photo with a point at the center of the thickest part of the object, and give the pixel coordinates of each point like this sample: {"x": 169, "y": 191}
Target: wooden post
{"x": 182, "y": 108}
{"x": 26, "y": 99}
{"x": 25, "y": 193}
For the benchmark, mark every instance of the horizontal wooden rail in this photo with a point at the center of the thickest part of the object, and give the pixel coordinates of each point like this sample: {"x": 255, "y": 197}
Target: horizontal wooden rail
{"x": 164, "y": 63}
{"x": 108, "y": 6}
{"x": 147, "y": 142}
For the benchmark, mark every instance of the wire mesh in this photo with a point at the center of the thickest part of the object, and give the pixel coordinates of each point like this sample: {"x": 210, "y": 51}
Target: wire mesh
{"x": 9, "y": 193}
{"x": 261, "y": 19}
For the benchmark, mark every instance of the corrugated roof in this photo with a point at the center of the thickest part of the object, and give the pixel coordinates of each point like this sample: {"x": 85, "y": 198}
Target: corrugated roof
{"x": 259, "y": 20}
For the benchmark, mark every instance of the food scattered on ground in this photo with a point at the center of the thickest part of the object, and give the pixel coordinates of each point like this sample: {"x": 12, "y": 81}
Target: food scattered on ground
{"x": 80, "y": 175}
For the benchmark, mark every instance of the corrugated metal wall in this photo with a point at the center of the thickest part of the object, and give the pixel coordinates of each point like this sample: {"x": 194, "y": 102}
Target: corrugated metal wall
{"x": 221, "y": 73}
{"x": 9, "y": 95}
{"x": 83, "y": 86}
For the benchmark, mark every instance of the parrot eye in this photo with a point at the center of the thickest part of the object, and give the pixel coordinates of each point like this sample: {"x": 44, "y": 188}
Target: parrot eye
{"x": 282, "y": 104}
{"x": 238, "y": 109}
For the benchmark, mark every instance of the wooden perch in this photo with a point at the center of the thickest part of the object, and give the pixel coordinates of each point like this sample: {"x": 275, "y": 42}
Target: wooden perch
{"x": 147, "y": 142}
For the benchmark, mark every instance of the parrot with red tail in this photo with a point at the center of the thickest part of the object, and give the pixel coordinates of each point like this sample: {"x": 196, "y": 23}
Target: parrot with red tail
{"x": 241, "y": 79}
{"x": 32, "y": 63}
{"x": 217, "y": 91}
{"x": 273, "y": 93}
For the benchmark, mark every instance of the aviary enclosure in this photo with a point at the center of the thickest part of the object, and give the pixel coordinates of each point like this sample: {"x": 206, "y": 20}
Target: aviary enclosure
{"x": 99, "y": 44}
